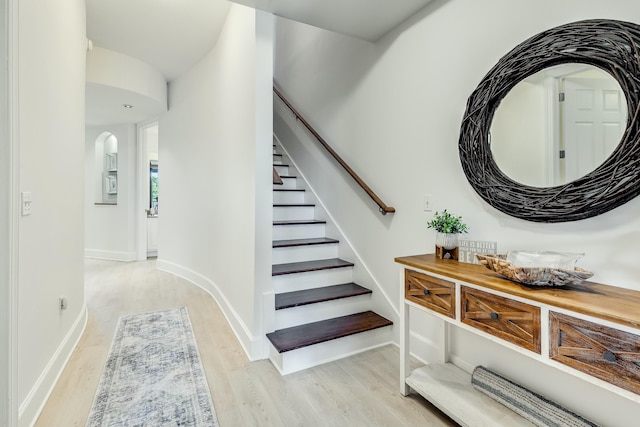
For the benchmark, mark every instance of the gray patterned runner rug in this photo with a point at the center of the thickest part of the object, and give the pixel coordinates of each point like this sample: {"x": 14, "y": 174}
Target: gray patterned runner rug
{"x": 153, "y": 375}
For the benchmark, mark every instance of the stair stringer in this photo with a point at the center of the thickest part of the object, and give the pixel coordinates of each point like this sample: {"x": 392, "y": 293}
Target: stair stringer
{"x": 380, "y": 301}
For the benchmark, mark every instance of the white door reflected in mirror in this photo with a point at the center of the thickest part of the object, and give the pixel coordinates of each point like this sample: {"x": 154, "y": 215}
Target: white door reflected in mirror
{"x": 558, "y": 125}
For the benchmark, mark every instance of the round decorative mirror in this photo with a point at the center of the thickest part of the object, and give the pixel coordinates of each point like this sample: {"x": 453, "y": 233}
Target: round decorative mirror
{"x": 551, "y": 133}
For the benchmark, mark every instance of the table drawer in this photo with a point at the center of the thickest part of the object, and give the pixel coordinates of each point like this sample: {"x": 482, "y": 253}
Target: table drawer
{"x": 511, "y": 320}
{"x": 606, "y": 353}
{"x": 430, "y": 292}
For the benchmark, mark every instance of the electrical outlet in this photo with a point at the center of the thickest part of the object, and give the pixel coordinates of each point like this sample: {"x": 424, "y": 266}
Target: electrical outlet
{"x": 428, "y": 203}
{"x": 26, "y": 203}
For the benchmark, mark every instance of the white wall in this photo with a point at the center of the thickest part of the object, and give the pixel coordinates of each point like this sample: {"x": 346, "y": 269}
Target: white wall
{"x": 393, "y": 110}
{"x": 109, "y": 68}
{"x": 215, "y": 146}
{"x": 51, "y": 240}
{"x": 110, "y": 229}
{"x": 5, "y": 228}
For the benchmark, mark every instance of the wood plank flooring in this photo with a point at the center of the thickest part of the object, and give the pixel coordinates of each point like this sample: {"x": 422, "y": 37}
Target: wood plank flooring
{"x": 361, "y": 390}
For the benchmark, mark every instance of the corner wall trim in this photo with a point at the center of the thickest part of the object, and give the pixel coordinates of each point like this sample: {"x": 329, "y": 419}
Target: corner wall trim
{"x": 33, "y": 404}
{"x": 251, "y": 346}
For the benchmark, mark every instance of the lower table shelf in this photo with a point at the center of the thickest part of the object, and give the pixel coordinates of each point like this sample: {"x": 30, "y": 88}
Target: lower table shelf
{"x": 449, "y": 389}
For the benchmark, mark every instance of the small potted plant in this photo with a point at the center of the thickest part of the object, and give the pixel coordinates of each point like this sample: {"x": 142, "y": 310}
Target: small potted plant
{"x": 447, "y": 227}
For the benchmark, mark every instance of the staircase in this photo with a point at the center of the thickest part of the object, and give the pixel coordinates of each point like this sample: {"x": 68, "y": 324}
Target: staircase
{"x": 320, "y": 314}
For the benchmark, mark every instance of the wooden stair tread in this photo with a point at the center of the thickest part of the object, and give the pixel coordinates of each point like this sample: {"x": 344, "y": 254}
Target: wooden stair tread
{"x": 280, "y": 164}
{"x": 316, "y": 295}
{"x": 303, "y": 242}
{"x": 289, "y": 189}
{"x": 317, "y": 332}
{"x": 292, "y": 205}
{"x": 305, "y": 266}
{"x": 288, "y": 176}
{"x": 299, "y": 222}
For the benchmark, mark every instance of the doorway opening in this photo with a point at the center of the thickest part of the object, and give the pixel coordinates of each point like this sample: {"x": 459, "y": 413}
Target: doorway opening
{"x": 148, "y": 191}
{"x": 152, "y": 211}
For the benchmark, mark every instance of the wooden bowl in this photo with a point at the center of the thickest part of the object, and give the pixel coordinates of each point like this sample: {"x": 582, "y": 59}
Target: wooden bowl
{"x": 536, "y": 276}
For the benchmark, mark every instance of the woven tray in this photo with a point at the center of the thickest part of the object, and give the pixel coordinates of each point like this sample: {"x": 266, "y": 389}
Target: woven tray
{"x": 538, "y": 276}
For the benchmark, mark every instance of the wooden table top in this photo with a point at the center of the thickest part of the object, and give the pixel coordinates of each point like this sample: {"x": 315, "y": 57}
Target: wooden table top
{"x": 618, "y": 305}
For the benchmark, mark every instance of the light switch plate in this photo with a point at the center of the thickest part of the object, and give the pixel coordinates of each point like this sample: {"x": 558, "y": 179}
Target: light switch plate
{"x": 428, "y": 203}
{"x": 27, "y": 199}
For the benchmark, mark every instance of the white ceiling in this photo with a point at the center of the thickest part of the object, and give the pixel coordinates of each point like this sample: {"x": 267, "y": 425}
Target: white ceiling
{"x": 364, "y": 19}
{"x": 173, "y": 35}
{"x": 105, "y": 106}
{"x": 170, "y": 35}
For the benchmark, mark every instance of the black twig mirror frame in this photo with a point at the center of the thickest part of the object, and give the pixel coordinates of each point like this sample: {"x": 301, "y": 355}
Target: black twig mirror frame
{"x": 613, "y": 46}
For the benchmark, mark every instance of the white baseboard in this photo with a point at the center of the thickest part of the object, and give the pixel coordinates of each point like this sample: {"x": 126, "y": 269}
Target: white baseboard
{"x": 252, "y": 346}
{"x": 423, "y": 349}
{"x": 110, "y": 255}
{"x": 426, "y": 351}
{"x": 33, "y": 404}
{"x": 461, "y": 363}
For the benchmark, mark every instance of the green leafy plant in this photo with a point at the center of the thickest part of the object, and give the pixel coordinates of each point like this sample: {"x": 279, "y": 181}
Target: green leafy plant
{"x": 446, "y": 223}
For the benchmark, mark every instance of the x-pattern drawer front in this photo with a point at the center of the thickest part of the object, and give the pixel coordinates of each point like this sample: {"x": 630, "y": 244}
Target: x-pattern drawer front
{"x": 511, "y": 320}
{"x": 606, "y": 353}
{"x": 430, "y": 292}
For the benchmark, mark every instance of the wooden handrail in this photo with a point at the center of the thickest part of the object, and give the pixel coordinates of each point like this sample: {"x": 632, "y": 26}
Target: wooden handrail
{"x": 384, "y": 209}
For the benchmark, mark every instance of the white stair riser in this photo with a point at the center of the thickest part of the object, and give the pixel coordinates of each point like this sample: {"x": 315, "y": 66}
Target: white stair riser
{"x": 304, "y": 253}
{"x": 277, "y": 160}
{"x": 289, "y": 182}
{"x": 295, "y": 316}
{"x": 293, "y": 213}
{"x": 311, "y": 279}
{"x": 282, "y": 170}
{"x": 307, "y": 357}
{"x": 298, "y": 231}
{"x": 288, "y": 196}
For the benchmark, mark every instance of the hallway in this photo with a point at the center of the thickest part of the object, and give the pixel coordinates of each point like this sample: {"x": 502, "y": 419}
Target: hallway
{"x": 358, "y": 391}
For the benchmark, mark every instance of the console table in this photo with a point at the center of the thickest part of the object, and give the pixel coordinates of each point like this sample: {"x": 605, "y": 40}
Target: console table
{"x": 589, "y": 330}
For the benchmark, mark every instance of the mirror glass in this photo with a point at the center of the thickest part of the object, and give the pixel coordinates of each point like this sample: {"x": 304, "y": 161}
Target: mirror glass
{"x": 558, "y": 125}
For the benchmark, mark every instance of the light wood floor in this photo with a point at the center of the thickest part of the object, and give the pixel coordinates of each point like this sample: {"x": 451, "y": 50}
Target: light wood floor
{"x": 361, "y": 390}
